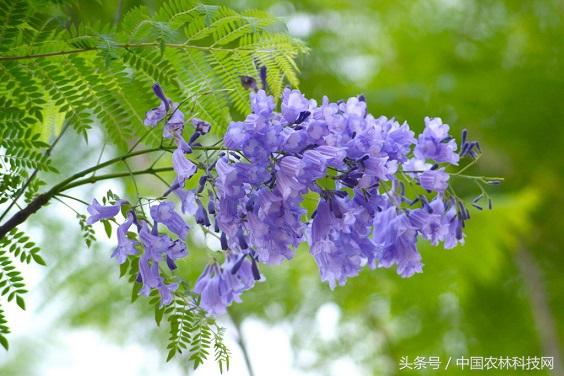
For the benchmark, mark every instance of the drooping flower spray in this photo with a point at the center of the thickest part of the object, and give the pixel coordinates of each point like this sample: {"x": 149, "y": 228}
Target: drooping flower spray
{"x": 377, "y": 189}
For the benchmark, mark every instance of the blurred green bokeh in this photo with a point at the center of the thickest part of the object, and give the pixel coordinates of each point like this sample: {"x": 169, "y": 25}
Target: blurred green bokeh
{"x": 494, "y": 67}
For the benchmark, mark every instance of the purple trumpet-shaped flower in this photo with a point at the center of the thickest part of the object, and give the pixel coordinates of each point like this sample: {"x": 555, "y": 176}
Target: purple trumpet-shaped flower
{"x": 183, "y": 167}
{"x": 202, "y": 217}
{"x": 201, "y": 126}
{"x": 293, "y": 103}
{"x": 235, "y": 136}
{"x": 177, "y": 250}
{"x": 155, "y": 244}
{"x": 175, "y": 125}
{"x": 397, "y": 238}
{"x": 435, "y": 143}
{"x": 396, "y": 139}
{"x": 339, "y": 244}
{"x": 434, "y": 180}
{"x": 314, "y": 165}
{"x": 219, "y": 286}
{"x": 183, "y": 145}
{"x": 241, "y": 271}
{"x": 255, "y": 149}
{"x": 157, "y": 114}
{"x": 335, "y": 263}
{"x": 149, "y": 273}
{"x": 295, "y": 140}
{"x": 274, "y": 226}
{"x": 166, "y": 292}
{"x": 187, "y": 200}
{"x": 333, "y": 154}
{"x": 376, "y": 169}
{"x": 289, "y": 176}
{"x": 438, "y": 222}
{"x": 100, "y": 212}
{"x": 316, "y": 131}
{"x": 125, "y": 245}
{"x": 164, "y": 213}
{"x": 261, "y": 103}
{"x": 355, "y": 107}
{"x": 431, "y": 221}
{"x": 156, "y": 248}
{"x": 455, "y": 234}
{"x": 210, "y": 291}
{"x": 214, "y": 291}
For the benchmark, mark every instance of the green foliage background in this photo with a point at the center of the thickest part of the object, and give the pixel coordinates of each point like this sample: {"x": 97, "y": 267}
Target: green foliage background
{"x": 494, "y": 67}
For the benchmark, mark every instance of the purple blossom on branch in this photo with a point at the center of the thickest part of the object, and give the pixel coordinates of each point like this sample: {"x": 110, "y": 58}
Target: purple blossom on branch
{"x": 126, "y": 246}
{"x": 100, "y": 212}
{"x": 377, "y": 189}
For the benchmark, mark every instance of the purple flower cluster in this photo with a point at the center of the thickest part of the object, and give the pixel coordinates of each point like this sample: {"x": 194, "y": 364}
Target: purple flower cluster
{"x": 158, "y": 248}
{"x": 376, "y": 188}
{"x": 364, "y": 216}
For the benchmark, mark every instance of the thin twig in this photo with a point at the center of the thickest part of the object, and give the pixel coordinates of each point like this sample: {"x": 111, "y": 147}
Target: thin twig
{"x": 540, "y": 307}
{"x": 73, "y": 198}
{"x": 141, "y": 139}
{"x": 78, "y": 179}
{"x": 34, "y": 173}
{"x": 157, "y": 159}
{"x": 118, "y": 12}
{"x": 95, "y": 179}
{"x": 161, "y": 179}
{"x": 67, "y": 205}
{"x": 474, "y": 161}
{"x": 100, "y": 156}
{"x": 242, "y": 344}
{"x": 124, "y": 46}
{"x": 132, "y": 179}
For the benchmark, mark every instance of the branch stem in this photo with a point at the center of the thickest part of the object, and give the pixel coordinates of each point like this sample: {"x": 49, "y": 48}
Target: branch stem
{"x": 78, "y": 180}
{"x": 34, "y": 173}
{"x": 123, "y": 46}
{"x": 242, "y": 345}
{"x": 94, "y": 179}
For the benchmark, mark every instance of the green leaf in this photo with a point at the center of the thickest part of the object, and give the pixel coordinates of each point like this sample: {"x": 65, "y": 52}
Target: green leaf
{"x": 3, "y": 342}
{"x": 124, "y": 268}
{"x": 107, "y": 228}
{"x": 159, "y": 312}
{"x": 20, "y": 302}
{"x": 135, "y": 291}
{"x": 171, "y": 354}
{"x": 38, "y": 259}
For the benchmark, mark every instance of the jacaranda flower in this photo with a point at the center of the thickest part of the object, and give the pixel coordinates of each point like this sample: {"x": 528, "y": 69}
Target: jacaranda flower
{"x": 126, "y": 246}
{"x": 376, "y": 188}
{"x": 99, "y": 212}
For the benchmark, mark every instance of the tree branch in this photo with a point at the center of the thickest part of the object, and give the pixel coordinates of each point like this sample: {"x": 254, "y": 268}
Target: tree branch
{"x": 242, "y": 344}
{"x": 75, "y": 181}
{"x": 34, "y": 173}
{"x": 546, "y": 327}
{"x": 94, "y": 179}
{"x": 23, "y": 214}
{"x": 124, "y": 46}
{"x": 118, "y": 12}
{"x": 44, "y": 198}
